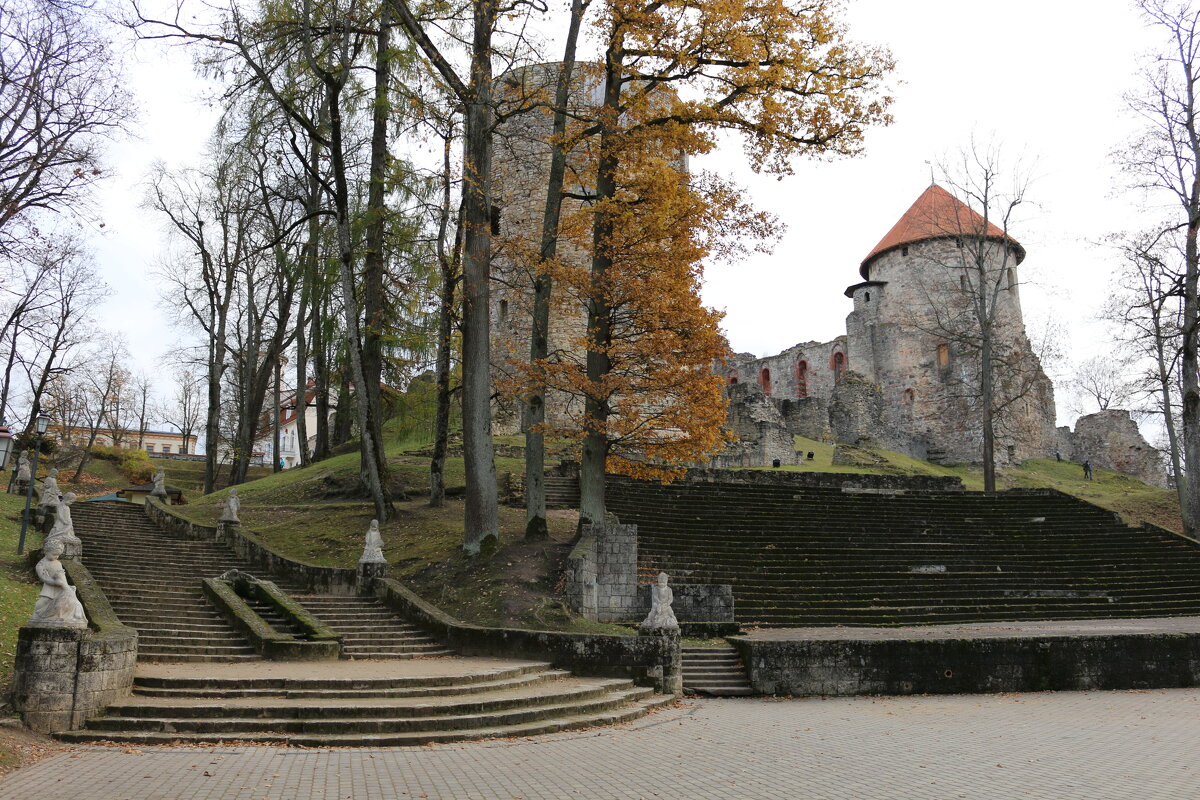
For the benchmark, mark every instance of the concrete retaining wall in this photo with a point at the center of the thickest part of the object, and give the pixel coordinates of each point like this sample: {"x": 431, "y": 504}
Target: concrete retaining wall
{"x": 845, "y": 667}
{"x": 649, "y": 660}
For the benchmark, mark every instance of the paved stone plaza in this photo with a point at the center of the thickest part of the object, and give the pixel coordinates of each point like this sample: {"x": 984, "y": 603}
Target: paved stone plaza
{"x": 1055, "y": 746}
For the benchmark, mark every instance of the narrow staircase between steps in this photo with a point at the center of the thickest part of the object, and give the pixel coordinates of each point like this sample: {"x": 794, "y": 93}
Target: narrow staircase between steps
{"x": 715, "y": 671}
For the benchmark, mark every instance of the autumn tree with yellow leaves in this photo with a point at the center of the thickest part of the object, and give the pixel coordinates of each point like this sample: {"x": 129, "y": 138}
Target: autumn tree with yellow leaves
{"x": 784, "y": 76}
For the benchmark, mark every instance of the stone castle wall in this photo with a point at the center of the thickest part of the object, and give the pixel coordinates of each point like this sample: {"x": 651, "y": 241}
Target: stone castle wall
{"x": 1111, "y": 440}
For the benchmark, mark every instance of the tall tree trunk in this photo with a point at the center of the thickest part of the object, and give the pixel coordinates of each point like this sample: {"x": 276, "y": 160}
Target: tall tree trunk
{"x": 594, "y": 456}
{"x": 481, "y": 518}
{"x": 448, "y": 263}
{"x": 539, "y": 337}
{"x": 1191, "y": 363}
{"x": 374, "y": 296}
{"x": 369, "y": 443}
{"x": 986, "y": 392}
{"x": 343, "y": 417}
{"x": 320, "y": 350}
{"x": 277, "y": 419}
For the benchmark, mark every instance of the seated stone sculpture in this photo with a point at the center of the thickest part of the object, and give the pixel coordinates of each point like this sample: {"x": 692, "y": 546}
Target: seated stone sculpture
{"x": 230, "y": 507}
{"x": 661, "y": 618}
{"x": 23, "y": 473}
{"x": 160, "y": 483}
{"x": 49, "y": 494}
{"x": 373, "y": 552}
{"x": 64, "y": 527}
{"x": 57, "y": 606}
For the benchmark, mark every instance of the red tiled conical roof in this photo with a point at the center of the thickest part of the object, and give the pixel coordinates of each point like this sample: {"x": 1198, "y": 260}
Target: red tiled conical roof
{"x": 934, "y": 215}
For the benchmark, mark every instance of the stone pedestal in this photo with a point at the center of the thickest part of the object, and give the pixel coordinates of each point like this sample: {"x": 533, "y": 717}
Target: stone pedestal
{"x": 63, "y": 676}
{"x": 669, "y": 673}
{"x": 43, "y": 516}
{"x": 367, "y": 573}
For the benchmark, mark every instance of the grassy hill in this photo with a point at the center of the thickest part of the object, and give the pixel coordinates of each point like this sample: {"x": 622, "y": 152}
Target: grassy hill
{"x": 1132, "y": 499}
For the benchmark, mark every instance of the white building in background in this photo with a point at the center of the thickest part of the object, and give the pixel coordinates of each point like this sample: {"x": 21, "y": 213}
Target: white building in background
{"x": 288, "y": 414}
{"x": 154, "y": 442}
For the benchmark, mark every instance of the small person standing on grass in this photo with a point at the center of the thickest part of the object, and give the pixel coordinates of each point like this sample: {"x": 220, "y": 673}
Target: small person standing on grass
{"x": 1087, "y": 470}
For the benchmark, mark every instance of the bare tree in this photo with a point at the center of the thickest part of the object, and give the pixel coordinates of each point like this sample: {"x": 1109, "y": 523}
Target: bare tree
{"x": 61, "y": 95}
{"x": 99, "y": 385}
{"x": 1165, "y": 160}
{"x": 184, "y": 409}
{"x": 1102, "y": 382}
{"x": 1147, "y": 307}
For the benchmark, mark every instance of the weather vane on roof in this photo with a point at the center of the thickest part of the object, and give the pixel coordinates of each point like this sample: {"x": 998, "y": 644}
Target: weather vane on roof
{"x": 932, "y": 180}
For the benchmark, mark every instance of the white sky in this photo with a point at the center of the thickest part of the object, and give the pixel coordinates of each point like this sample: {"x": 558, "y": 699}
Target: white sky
{"x": 1045, "y": 79}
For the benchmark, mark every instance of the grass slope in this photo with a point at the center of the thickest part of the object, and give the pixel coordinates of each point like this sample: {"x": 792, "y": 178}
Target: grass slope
{"x": 18, "y": 586}
{"x": 318, "y": 515}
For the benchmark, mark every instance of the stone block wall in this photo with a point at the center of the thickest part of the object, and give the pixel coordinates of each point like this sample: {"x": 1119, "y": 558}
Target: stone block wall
{"x": 615, "y": 570}
{"x": 966, "y": 665}
{"x": 693, "y": 602}
{"x": 1111, "y": 440}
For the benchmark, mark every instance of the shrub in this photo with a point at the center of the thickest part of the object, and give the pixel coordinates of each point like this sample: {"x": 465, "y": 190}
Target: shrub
{"x": 137, "y": 465}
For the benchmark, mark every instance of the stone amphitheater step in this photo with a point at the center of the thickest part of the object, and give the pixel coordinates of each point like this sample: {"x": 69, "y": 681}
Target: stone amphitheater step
{"x": 822, "y": 556}
{"x": 715, "y": 671}
{"x": 457, "y": 699}
{"x": 561, "y": 492}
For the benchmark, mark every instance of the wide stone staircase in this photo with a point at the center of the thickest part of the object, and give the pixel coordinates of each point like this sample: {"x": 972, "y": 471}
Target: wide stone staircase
{"x": 799, "y": 556}
{"x": 338, "y": 707}
{"x": 388, "y": 692}
{"x": 153, "y": 584}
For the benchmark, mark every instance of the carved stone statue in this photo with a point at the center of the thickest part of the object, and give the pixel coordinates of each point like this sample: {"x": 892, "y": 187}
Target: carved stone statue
{"x": 23, "y": 473}
{"x": 230, "y": 507}
{"x": 661, "y": 618}
{"x": 160, "y": 483}
{"x": 373, "y": 552}
{"x": 57, "y": 606}
{"x": 64, "y": 527}
{"x": 50, "y": 492}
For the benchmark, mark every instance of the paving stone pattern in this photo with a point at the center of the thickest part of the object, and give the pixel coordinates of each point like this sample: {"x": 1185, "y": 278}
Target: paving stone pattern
{"x": 1049, "y": 746}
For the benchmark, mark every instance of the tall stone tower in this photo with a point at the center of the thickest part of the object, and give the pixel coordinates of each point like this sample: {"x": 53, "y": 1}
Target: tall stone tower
{"x": 914, "y": 332}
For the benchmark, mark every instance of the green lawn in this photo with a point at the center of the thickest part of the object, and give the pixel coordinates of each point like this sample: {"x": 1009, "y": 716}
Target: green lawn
{"x": 18, "y": 587}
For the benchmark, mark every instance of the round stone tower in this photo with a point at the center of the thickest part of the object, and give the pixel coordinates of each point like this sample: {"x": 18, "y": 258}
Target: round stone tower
{"x": 915, "y": 331}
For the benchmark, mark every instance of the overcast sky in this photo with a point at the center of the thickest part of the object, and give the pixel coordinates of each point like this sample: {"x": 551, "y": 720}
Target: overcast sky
{"x": 1045, "y": 79}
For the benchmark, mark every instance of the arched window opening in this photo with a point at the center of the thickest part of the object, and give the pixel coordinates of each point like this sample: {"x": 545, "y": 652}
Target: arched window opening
{"x": 962, "y": 282}
{"x": 732, "y": 379}
{"x": 958, "y": 242}
{"x": 838, "y": 364}
{"x": 943, "y": 355}
{"x": 910, "y": 397}
{"x": 802, "y": 379}
{"x": 866, "y": 297}
{"x": 494, "y": 218}
{"x": 504, "y": 311}
{"x": 764, "y": 380}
